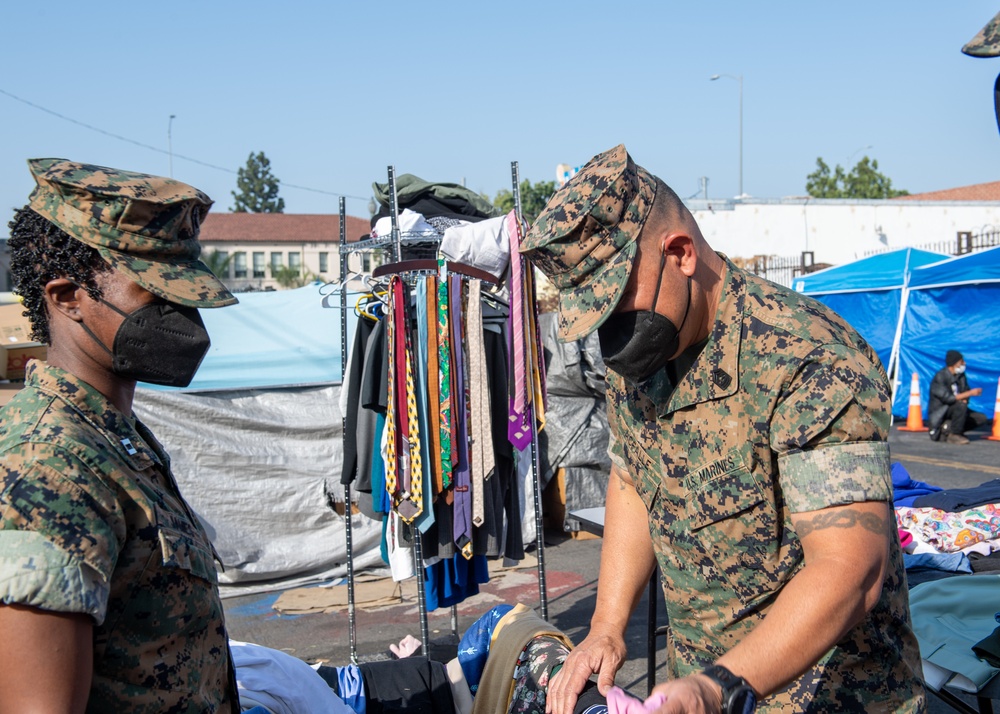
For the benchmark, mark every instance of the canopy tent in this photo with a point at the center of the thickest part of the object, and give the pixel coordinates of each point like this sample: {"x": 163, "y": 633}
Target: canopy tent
{"x": 953, "y": 304}
{"x": 868, "y": 293}
{"x": 272, "y": 339}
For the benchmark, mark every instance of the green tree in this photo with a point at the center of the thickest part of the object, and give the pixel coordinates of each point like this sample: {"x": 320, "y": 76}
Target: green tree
{"x": 217, "y": 262}
{"x": 864, "y": 181}
{"x": 257, "y": 187}
{"x": 534, "y": 196}
{"x": 291, "y": 278}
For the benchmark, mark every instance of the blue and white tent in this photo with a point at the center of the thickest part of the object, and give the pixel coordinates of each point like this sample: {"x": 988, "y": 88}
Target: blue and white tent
{"x": 868, "y": 294}
{"x": 953, "y": 304}
{"x": 272, "y": 339}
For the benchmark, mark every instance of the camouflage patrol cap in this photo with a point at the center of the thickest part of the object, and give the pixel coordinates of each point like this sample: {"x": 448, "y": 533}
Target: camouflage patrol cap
{"x": 143, "y": 226}
{"x": 585, "y": 238}
{"x": 986, "y": 43}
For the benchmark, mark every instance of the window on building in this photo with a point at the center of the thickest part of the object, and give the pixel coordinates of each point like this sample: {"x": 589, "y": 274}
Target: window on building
{"x": 220, "y": 259}
{"x": 366, "y": 262}
{"x": 324, "y": 262}
{"x": 239, "y": 264}
{"x": 276, "y": 263}
{"x": 258, "y": 265}
{"x": 295, "y": 262}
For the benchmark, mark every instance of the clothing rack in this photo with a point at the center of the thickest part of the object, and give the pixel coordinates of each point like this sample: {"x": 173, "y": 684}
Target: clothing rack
{"x": 394, "y": 243}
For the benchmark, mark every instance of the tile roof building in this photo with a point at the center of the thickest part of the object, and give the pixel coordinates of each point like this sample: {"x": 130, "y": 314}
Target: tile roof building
{"x": 267, "y": 251}
{"x": 977, "y": 192}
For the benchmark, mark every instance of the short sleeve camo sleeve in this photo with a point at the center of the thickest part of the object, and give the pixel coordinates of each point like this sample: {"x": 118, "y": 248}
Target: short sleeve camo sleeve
{"x": 57, "y": 536}
{"x": 830, "y": 429}
{"x": 613, "y": 391}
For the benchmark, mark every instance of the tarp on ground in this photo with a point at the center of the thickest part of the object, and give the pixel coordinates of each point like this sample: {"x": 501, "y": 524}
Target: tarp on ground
{"x": 953, "y": 304}
{"x": 868, "y": 293}
{"x": 258, "y": 467}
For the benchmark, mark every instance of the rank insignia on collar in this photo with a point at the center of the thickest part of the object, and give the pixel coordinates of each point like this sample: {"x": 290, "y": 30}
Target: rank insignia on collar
{"x": 127, "y": 443}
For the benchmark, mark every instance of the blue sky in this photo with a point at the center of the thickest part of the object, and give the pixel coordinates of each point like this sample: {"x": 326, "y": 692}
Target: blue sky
{"x": 334, "y": 92}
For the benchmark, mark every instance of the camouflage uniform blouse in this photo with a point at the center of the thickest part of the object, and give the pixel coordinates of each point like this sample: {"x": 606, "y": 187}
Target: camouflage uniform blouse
{"x": 784, "y": 410}
{"x": 91, "y": 521}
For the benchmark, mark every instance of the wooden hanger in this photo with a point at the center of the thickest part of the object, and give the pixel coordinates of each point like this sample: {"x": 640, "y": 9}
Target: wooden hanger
{"x": 431, "y": 265}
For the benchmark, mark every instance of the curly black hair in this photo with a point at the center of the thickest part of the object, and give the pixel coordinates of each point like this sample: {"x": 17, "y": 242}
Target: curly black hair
{"x": 40, "y": 251}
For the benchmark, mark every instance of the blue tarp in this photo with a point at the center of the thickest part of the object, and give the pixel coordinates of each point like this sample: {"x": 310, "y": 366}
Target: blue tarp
{"x": 954, "y": 304}
{"x": 271, "y": 339}
{"x": 878, "y": 272}
{"x": 868, "y": 292}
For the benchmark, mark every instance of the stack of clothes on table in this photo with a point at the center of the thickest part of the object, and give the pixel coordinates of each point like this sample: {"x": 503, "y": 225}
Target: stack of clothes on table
{"x": 951, "y": 549}
{"x": 946, "y": 532}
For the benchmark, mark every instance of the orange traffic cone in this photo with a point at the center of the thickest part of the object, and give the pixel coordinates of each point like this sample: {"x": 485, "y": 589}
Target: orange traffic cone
{"x": 914, "y": 419}
{"x": 995, "y": 436}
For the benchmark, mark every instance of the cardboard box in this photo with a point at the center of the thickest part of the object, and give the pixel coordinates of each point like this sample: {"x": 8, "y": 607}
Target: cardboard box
{"x": 15, "y": 339}
{"x": 8, "y": 390}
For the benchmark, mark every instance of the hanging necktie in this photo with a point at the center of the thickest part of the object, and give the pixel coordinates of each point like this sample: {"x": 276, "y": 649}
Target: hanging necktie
{"x": 462, "y": 527}
{"x": 433, "y": 386}
{"x": 536, "y": 363}
{"x": 519, "y": 426}
{"x": 481, "y": 442}
{"x": 426, "y": 518}
{"x": 444, "y": 384}
{"x": 391, "y": 450}
{"x": 411, "y": 478}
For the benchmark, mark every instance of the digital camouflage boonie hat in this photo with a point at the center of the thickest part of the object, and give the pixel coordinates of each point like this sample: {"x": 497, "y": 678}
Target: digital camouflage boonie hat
{"x": 986, "y": 43}
{"x": 143, "y": 226}
{"x": 585, "y": 238}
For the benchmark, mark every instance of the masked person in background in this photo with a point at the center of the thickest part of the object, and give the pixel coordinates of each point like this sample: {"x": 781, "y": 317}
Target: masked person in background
{"x": 749, "y": 462}
{"x": 108, "y": 593}
{"x": 948, "y": 411}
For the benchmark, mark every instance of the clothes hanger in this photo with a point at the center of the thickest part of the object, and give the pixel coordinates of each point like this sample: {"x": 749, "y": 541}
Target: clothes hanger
{"x": 430, "y": 265}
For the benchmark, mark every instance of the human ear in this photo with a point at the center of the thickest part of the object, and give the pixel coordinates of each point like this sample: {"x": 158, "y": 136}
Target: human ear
{"x": 62, "y": 297}
{"x": 679, "y": 246}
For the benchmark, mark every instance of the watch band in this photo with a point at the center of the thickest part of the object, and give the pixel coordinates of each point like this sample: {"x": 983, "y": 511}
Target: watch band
{"x": 738, "y": 697}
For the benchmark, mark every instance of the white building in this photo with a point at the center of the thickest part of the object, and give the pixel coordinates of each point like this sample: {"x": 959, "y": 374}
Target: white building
{"x": 837, "y": 231}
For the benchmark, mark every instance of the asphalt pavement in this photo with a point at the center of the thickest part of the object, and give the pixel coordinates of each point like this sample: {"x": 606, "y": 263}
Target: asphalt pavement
{"x": 571, "y": 572}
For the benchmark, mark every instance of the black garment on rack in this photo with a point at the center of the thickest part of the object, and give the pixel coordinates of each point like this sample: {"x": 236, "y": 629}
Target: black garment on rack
{"x": 366, "y": 435}
{"x": 375, "y": 376}
{"x": 500, "y": 500}
{"x": 352, "y": 383}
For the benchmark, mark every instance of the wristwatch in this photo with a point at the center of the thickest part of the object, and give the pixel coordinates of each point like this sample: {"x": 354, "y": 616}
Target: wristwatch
{"x": 738, "y": 697}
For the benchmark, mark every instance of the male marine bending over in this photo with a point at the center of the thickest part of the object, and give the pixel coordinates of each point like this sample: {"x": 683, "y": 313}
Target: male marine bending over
{"x": 750, "y": 462}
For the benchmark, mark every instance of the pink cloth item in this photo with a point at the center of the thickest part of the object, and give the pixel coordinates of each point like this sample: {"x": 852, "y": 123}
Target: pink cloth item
{"x": 905, "y": 538}
{"x": 619, "y": 702}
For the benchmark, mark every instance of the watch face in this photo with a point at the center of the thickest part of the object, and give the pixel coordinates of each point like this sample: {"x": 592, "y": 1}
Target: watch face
{"x": 744, "y": 701}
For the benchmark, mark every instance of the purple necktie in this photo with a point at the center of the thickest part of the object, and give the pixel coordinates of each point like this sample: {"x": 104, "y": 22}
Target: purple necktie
{"x": 519, "y": 425}
{"x": 462, "y": 527}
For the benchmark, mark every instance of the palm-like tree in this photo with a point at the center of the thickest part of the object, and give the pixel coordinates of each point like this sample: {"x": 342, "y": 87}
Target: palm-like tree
{"x": 218, "y": 262}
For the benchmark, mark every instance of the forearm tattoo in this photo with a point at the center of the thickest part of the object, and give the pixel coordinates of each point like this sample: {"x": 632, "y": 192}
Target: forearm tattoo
{"x": 842, "y": 519}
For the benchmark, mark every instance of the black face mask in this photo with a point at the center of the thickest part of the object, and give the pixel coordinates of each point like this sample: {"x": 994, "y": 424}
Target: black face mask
{"x": 159, "y": 343}
{"x": 636, "y": 344}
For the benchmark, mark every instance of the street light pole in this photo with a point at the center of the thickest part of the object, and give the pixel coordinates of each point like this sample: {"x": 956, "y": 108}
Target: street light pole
{"x": 738, "y": 78}
{"x": 170, "y": 143}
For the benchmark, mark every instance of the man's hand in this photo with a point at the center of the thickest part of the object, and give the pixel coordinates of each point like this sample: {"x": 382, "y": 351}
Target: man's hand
{"x": 696, "y": 694}
{"x": 601, "y": 653}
